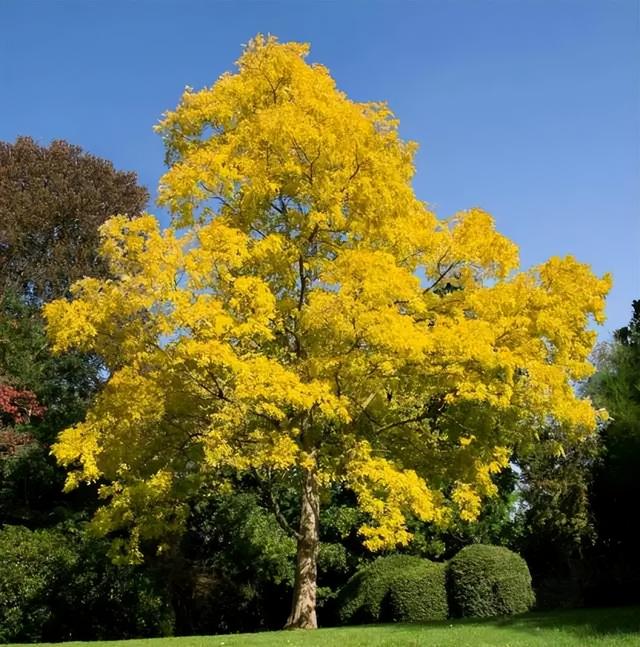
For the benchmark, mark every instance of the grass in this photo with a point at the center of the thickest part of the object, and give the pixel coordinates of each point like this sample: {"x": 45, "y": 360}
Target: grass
{"x": 577, "y": 628}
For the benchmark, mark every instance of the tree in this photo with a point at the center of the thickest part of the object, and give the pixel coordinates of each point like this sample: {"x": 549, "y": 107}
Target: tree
{"x": 616, "y": 490}
{"x": 307, "y": 318}
{"x": 617, "y": 382}
{"x": 16, "y": 406}
{"x": 56, "y": 390}
{"x": 555, "y": 515}
{"x": 52, "y": 201}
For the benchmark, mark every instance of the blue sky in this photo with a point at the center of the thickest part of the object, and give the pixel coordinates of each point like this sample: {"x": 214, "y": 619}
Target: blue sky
{"x": 529, "y": 109}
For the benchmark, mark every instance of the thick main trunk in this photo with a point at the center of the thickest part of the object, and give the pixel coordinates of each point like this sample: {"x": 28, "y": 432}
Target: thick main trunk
{"x": 303, "y": 607}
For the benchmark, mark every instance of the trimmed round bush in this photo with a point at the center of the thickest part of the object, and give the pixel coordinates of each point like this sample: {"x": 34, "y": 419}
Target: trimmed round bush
{"x": 485, "y": 581}
{"x": 398, "y": 588}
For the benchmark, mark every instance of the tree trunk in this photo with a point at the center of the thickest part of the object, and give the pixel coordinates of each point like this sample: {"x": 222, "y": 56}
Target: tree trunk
{"x": 303, "y": 607}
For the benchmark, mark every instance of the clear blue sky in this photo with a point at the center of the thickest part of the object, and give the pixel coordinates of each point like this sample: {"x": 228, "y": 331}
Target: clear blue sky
{"x": 529, "y": 109}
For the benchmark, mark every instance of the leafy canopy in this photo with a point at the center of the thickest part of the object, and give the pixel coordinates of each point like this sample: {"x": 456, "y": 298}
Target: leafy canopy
{"x": 306, "y": 312}
{"x": 52, "y": 201}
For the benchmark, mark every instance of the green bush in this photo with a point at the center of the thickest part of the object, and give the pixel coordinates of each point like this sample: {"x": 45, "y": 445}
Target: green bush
{"x": 485, "y": 581}
{"x": 398, "y": 588}
{"x": 104, "y": 601}
{"x": 58, "y": 584}
{"x": 33, "y": 570}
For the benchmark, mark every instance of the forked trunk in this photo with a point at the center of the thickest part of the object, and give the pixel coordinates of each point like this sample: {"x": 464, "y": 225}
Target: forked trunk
{"x": 303, "y": 607}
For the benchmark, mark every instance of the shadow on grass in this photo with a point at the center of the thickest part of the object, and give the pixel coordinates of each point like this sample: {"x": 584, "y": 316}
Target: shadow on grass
{"x": 584, "y": 623}
{"x": 581, "y": 622}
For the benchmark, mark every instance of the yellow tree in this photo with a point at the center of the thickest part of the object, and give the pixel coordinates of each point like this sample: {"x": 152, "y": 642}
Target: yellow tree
{"x": 306, "y": 315}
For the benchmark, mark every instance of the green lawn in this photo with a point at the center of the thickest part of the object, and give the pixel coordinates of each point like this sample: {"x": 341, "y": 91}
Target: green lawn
{"x": 582, "y": 628}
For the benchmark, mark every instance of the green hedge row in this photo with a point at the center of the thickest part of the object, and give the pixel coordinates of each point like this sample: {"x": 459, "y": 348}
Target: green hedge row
{"x": 480, "y": 581}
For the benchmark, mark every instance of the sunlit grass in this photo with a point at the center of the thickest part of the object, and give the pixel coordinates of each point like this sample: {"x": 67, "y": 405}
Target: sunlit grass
{"x": 578, "y": 628}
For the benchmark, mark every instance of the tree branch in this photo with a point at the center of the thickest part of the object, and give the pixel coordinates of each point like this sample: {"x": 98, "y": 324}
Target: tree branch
{"x": 274, "y": 506}
{"x": 442, "y": 275}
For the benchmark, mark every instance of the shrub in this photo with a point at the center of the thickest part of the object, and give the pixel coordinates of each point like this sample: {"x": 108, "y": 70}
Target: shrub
{"x": 420, "y": 594}
{"x": 398, "y": 588}
{"x": 104, "y": 601}
{"x": 33, "y": 570}
{"x": 486, "y": 581}
{"x": 58, "y": 584}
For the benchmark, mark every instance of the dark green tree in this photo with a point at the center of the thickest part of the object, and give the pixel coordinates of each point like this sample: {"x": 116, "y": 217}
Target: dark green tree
{"x": 616, "y": 488}
{"x": 556, "y": 521}
{"x": 30, "y": 481}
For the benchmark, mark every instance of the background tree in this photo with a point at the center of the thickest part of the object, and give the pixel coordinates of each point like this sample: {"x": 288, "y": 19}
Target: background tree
{"x": 56, "y": 584}
{"x": 287, "y": 334}
{"x": 30, "y": 481}
{"x": 52, "y": 201}
{"x": 56, "y": 581}
{"x": 616, "y": 488}
{"x": 555, "y": 516}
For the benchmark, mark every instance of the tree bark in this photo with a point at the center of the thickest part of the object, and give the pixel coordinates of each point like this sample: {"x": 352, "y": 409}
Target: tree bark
{"x": 303, "y": 607}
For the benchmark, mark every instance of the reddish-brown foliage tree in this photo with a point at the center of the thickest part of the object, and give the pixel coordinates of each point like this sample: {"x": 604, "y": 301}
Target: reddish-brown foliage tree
{"x": 52, "y": 201}
{"x": 18, "y": 406}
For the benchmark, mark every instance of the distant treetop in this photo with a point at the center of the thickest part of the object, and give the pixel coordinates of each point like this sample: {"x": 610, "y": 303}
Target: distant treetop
{"x": 52, "y": 202}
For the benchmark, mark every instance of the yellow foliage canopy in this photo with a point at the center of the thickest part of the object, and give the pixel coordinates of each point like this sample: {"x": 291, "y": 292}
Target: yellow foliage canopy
{"x": 305, "y": 311}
